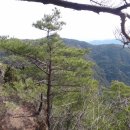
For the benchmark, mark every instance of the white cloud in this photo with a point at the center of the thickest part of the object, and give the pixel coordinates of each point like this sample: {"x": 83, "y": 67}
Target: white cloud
{"x": 16, "y": 20}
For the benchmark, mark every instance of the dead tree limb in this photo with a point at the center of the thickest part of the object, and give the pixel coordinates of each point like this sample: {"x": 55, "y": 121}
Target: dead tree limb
{"x": 97, "y": 8}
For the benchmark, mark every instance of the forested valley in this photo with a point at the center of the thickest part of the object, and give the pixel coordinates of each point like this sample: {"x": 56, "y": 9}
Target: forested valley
{"x": 63, "y": 84}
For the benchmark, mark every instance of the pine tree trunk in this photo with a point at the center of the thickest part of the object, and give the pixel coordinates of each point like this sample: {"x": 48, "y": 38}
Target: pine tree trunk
{"x": 49, "y": 103}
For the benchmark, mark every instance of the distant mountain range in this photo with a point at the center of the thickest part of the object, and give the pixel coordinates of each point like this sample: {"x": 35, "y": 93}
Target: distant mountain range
{"x": 113, "y": 61}
{"x": 106, "y": 41}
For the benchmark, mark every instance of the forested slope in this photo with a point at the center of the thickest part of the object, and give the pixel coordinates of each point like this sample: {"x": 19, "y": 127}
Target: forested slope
{"x": 113, "y": 61}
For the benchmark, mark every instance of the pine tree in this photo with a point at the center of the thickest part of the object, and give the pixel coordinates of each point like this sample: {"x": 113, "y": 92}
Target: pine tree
{"x": 63, "y": 77}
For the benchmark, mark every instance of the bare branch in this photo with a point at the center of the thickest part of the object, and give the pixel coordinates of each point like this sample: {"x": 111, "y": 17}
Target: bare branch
{"x": 123, "y": 7}
{"x": 119, "y": 36}
{"x": 97, "y": 8}
{"x": 97, "y": 3}
{"x": 78, "y": 6}
{"x": 39, "y": 64}
{"x": 123, "y": 29}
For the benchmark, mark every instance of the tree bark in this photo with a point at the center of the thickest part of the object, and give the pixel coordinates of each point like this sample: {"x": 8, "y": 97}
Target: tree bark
{"x": 49, "y": 85}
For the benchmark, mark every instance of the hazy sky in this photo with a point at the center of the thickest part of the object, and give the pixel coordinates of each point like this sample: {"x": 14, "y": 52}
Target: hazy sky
{"x": 16, "y": 20}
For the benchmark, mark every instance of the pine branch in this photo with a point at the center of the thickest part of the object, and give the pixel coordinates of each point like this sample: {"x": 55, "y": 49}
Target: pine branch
{"x": 33, "y": 60}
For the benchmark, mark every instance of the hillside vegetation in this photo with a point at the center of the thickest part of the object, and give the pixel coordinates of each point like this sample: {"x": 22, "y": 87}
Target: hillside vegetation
{"x": 50, "y": 83}
{"x": 113, "y": 61}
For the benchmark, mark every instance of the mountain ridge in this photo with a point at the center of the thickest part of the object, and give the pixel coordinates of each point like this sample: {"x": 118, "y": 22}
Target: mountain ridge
{"x": 105, "y": 41}
{"x": 112, "y": 60}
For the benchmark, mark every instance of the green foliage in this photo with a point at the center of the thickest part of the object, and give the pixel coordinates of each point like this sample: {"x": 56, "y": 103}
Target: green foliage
{"x": 60, "y": 79}
{"x": 117, "y": 96}
{"x": 72, "y": 82}
{"x": 60, "y": 74}
{"x": 111, "y": 59}
{"x": 50, "y": 22}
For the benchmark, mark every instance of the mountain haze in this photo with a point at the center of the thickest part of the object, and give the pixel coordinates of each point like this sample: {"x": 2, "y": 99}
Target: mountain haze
{"x": 106, "y": 41}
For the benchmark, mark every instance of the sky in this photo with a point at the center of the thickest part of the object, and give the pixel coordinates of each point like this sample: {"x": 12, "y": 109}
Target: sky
{"x": 17, "y": 17}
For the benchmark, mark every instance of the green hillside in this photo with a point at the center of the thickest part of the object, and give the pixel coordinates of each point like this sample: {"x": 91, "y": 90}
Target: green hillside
{"x": 113, "y": 62}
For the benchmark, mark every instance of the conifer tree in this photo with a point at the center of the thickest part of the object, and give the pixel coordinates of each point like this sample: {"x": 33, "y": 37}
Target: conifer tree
{"x": 63, "y": 77}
